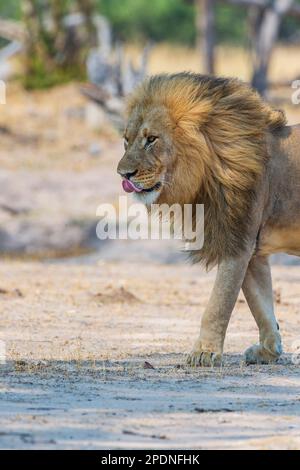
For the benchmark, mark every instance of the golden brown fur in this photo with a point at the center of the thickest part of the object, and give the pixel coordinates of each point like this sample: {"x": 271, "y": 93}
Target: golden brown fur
{"x": 218, "y": 130}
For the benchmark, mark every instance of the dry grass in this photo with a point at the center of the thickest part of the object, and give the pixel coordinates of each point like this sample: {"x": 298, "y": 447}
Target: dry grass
{"x": 47, "y": 129}
{"x": 231, "y": 61}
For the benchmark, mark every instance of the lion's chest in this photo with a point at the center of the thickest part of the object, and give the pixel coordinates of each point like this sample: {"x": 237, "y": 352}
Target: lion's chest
{"x": 280, "y": 240}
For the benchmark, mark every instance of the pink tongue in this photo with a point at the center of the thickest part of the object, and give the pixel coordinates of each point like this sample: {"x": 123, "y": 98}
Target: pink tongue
{"x": 129, "y": 187}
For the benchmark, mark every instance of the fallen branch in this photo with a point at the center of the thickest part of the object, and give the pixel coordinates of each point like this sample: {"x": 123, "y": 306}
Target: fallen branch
{"x": 12, "y": 30}
{"x": 10, "y": 50}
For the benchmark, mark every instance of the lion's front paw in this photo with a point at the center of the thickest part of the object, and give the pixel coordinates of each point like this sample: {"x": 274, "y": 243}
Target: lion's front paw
{"x": 258, "y": 354}
{"x": 204, "y": 359}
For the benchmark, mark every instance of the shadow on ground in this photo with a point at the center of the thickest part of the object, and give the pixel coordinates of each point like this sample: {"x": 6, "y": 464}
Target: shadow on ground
{"x": 120, "y": 404}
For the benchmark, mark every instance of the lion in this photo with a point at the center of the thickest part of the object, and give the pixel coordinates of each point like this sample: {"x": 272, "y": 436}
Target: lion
{"x": 196, "y": 139}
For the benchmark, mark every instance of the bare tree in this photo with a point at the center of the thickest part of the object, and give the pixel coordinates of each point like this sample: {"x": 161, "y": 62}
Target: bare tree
{"x": 205, "y": 24}
{"x": 294, "y": 9}
{"x": 88, "y": 10}
{"x": 265, "y": 17}
{"x": 265, "y": 40}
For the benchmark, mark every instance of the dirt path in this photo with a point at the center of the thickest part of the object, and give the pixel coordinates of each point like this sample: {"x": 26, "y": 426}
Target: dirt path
{"x": 77, "y": 338}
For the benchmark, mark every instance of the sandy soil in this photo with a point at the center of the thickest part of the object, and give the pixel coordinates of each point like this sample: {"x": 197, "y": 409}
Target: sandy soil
{"x": 77, "y": 339}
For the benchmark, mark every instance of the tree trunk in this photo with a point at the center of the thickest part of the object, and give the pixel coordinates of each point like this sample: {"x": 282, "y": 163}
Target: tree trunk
{"x": 294, "y": 9}
{"x": 265, "y": 41}
{"x": 88, "y": 8}
{"x": 34, "y": 45}
{"x": 12, "y": 30}
{"x": 205, "y": 24}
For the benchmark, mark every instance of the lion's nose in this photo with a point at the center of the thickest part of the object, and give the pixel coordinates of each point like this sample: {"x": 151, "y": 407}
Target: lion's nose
{"x": 129, "y": 174}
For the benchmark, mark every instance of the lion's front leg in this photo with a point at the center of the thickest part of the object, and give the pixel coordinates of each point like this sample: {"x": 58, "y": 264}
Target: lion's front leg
{"x": 208, "y": 348}
{"x": 258, "y": 291}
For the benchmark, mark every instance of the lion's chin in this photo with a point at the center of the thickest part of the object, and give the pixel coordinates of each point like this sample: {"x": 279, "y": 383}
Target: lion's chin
{"x": 147, "y": 198}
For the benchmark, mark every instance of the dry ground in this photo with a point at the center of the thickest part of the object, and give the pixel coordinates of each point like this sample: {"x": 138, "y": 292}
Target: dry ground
{"x": 77, "y": 338}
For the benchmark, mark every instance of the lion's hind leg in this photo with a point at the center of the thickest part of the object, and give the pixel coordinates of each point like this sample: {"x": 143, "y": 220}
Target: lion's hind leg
{"x": 257, "y": 288}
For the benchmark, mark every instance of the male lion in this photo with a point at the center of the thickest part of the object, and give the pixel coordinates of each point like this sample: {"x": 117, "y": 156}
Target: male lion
{"x": 198, "y": 139}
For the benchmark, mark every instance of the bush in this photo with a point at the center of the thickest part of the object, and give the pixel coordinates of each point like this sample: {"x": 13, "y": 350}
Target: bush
{"x": 159, "y": 20}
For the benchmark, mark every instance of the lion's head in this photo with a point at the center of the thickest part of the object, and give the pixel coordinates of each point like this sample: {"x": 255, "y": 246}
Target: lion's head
{"x": 191, "y": 138}
{"x": 148, "y": 152}
{"x": 160, "y": 116}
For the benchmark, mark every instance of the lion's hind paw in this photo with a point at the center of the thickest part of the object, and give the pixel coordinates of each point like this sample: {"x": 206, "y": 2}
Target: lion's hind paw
{"x": 257, "y": 354}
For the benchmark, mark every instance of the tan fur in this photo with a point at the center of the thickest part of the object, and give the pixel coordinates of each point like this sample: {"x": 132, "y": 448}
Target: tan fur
{"x": 218, "y": 130}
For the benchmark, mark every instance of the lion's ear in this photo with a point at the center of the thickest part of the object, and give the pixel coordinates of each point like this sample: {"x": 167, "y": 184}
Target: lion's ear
{"x": 276, "y": 118}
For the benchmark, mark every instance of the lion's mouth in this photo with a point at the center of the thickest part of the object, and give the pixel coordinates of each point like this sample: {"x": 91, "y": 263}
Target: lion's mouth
{"x": 130, "y": 187}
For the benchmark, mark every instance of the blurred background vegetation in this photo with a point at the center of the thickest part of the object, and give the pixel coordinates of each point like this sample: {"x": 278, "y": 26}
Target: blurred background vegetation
{"x": 71, "y": 132}
{"x": 165, "y": 20}
{"x": 134, "y": 22}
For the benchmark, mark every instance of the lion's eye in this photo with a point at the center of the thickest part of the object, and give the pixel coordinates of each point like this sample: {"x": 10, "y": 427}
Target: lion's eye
{"x": 151, "y": 139}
